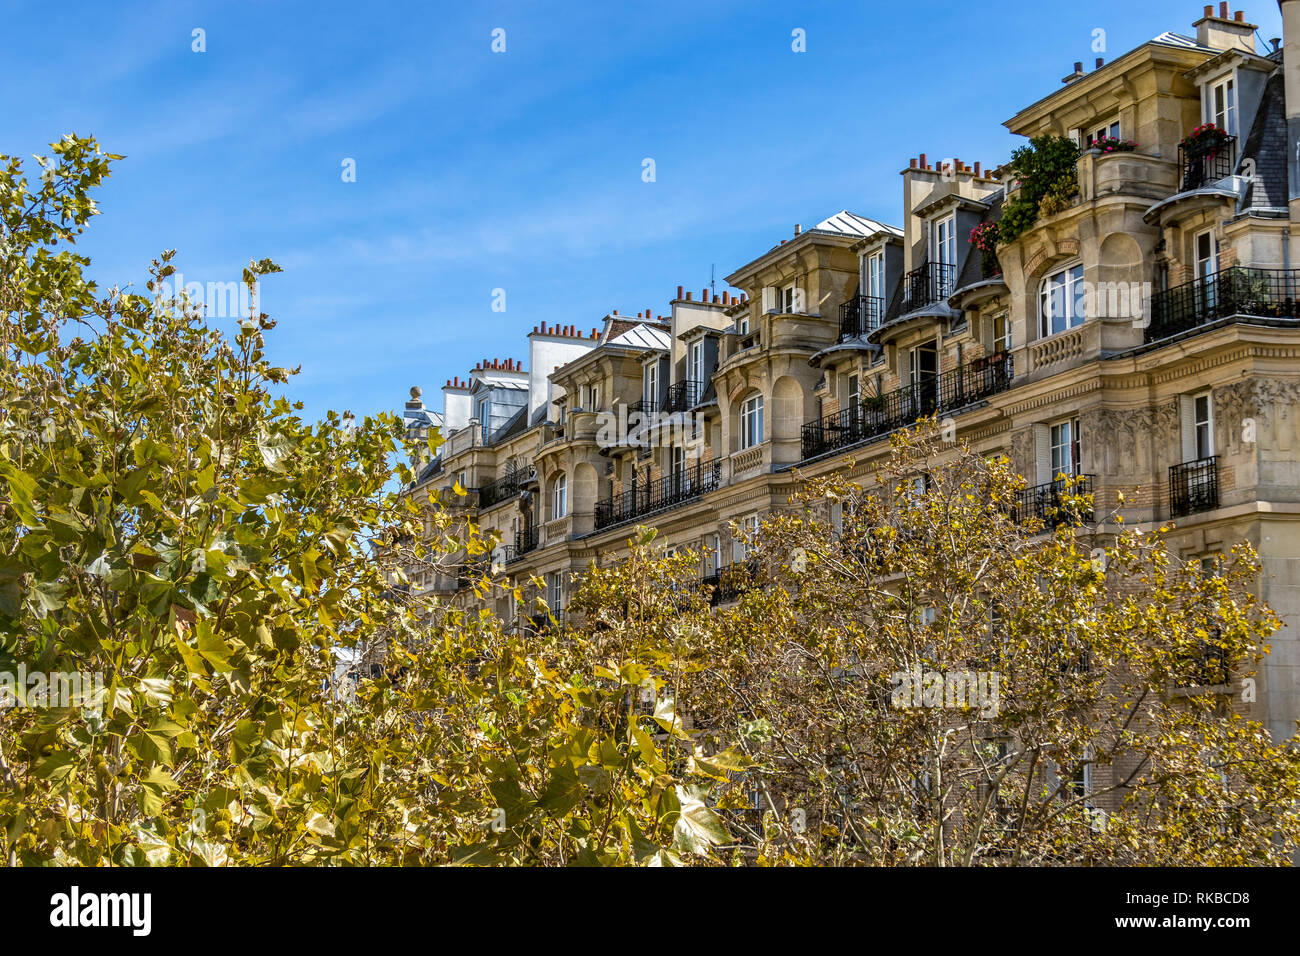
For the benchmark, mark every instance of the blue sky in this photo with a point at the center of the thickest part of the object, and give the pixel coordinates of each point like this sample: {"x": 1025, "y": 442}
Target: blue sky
{"x": 519, "y": 170}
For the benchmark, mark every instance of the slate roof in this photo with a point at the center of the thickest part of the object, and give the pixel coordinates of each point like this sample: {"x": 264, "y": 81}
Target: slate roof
{"x": 972, "y": 269}
{"x": 1266, "y": 146}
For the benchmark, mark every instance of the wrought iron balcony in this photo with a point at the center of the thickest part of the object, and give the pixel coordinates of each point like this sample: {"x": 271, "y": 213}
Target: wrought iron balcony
{"x": 730, "y": 582}
{"x": 684, "y": 484}
{"x": 644, "y": 405}
{"x": 1236, "y": 290}
{"x": 879, "y": 415}
{"x": 1194, "y": 486}
{"x": 1047, "y": 502}
{"x": 860, "y": 315}
{"x": 504, "y": 488}
{"x": 1205, "y": 163}
{"x": 683, "y": 395}
{"x": 931, "y": 283}
{"x": 525, "y": 541}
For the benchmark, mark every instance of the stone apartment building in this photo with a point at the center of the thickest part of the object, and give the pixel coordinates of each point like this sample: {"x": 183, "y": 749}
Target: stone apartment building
{"x": 1143, "y": 334}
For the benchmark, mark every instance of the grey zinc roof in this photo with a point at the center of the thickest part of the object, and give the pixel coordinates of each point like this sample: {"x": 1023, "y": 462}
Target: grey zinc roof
{"x": 644, "y": 337}
{"x": 1177, "y": 39}
{"x": 1266, "y": 147}
{"x": 851, "y": 224}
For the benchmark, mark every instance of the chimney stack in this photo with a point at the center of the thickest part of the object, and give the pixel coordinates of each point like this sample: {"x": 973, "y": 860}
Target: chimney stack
{"x": 1225, "y": 31}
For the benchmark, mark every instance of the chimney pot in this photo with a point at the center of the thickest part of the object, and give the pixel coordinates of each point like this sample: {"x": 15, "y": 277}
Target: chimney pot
{"x": 679, "y": 292}
{"x": 1223, "y": 10}
{"x": 1100, "y": 61}
{"x": 977, "y": 168}
{"x": 724, "y": 296}
{"x": 616, "y": 311}
{"x": 593, "y": 333}
{"x": 1209, "y": 9}
{"x": 1239, "y": 16}
{"x": 798, "y": 228}
{"x": 688, "y": 297}
{"x": 1078, "y": 66}
{"x": 923, "y": 166}
{"x": 704, "y": 294}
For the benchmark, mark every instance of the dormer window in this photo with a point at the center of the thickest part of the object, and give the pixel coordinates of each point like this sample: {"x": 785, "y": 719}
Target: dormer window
{"x": 943, "y": 257}
{"x": 875, "y": 277}
{"x": 1221, "y": 105}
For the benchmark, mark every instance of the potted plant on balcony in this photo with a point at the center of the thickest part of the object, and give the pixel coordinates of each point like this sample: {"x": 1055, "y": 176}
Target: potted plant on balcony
{"x": 1046, "y": 165}
{"x": 1206, "y": 140}
{"x": 1113, "y": 144}
{"x": 984, "y": 237}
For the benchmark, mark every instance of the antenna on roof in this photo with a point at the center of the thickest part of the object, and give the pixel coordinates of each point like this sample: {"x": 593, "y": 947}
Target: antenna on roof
{"x": 712, "y": 268}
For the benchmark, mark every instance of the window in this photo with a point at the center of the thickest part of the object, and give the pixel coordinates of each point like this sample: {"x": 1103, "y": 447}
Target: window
{"x": 852, "y": 395}
{"x": 745, "y": 533}
{"x": 1197, "y": 414}
{"x": 943, "y": 241}
{"x": 1001, "y": 341}
{"x": 1204, "y": 426}
{"x": 1207, "y": 255}
{"x": 484, "y": 411}
{"x": 1065, "y": 449}
{"x": 712, "y": 554}
{"x": 876, "y": 275}
{"x": 560, "y": 497}
{"x": 1061, "y": 301}
{"x": 788, "y": 296}
{"x": 695, "y": 362}
{"x": 751, "y": 422}
{"x": 555, "y": 591}
{"x": 1221, "y": 105}
{"x": 837, "y": 518}
{"x": 650, "y": 384}
{"x": 1104, "y": 130}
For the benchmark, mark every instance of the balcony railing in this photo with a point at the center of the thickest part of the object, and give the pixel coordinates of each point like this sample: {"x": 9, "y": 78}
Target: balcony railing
{"x": 1206, "y": 163}
{"x": 683, "y": 395}
{"x": 876, "y": 416}
{"x": 525, "y": 541}
{"x": 730, "y": 582}
{"x": 1236, "y": 290}
{"x": 687, "y": 482}
{"x": 1047, "y": 502}
{"x": 1194, "y": 486}
{"x": 503, "y": 488}
{"x": 644, "y": 405}
{"x": 932, "y": 282}
{"x": 860, "y": 315}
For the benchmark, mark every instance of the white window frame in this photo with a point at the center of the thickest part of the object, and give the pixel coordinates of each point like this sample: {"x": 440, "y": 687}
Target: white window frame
{"x": 1001, "y": 343}
{"x": 875, "y": 277}
{"x": 1071, "y": 286}
{"x": 1064, "y": 457}
{"x": 695, "y": 361}
{"x": 560, "y": 497}
{"x": 1227, "y": 117}
{"x": 751, "y": 421}
{"x": 943, "y": 240}
{"x": 1208, "y": 264}
{"x": 1095, "y": 131}
{"x": 650, "y": 383}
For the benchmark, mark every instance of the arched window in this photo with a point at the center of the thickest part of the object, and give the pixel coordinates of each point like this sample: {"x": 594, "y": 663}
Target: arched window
{"x": 751, "y": 421}
{"x": 1061, "y": 301}
{"x": 560, "y": 497}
